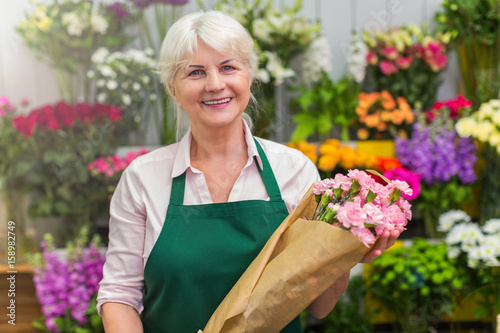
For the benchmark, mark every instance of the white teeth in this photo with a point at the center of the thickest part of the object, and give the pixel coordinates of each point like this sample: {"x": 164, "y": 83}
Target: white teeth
{"x": 221, "y": 101}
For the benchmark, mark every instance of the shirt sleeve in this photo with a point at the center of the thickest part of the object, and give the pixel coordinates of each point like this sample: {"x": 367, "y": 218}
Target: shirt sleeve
{"x": 123, "y": 272}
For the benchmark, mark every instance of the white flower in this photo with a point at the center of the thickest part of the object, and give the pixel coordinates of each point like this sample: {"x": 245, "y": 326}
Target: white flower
{"x": 136, "y": 86}
{"x": 107, "y": 71}
{"x": 317, "y": 59}
{"x": 152, "y": 97}
{"x": 263, "y": 75}
{"x": 472, "y": 263}
{"x": 100, "y": 83}
{"x": 450, "y": 218}
{"x": 125, "y": 85}
{"x": 276, "y": 69}
{"x": 74, "y": 25}
{"x": 98, "y": 22}
{"x": 496, "y": 118}
{"x": 465, "y": 233}
{"x": 453, "y": 252}
{"x": 145, "y": 79}
{"x": 262, "y": 30}
{"x": 356, "y": 59}
{"x": 123, "y": 68}
{"x": 126, "y": 99}
{"x": 492, "y": 227}
{"x": 101, "y": 98}
{"x": 494, "y": 140}
{"x": 112, "y": 85}
{"x": 100, "y": 55}
{"x": 149, "y": 51}
{"x": 90, "y": 74}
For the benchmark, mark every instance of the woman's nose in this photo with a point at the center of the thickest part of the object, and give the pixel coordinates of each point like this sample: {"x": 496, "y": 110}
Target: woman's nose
{"x": 214, "y": 82}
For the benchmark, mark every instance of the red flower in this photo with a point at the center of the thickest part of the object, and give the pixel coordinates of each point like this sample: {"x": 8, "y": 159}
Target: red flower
{"x": 388, "y": 68}
{"x": 114, "y": 113}
{"x": 108, "y": 111}
{"x": 371, "y": 58}
{"x": 65, "y": 113}
{"x": 437, "y": 105}
{"x": 25, "y": 124}
{"x": 84, "y": 112}
{"x": 388, "y": 163}
{"x": 47, "y": 118}
{"x": 404, "y": 62}
{"x": 390, "y": 52}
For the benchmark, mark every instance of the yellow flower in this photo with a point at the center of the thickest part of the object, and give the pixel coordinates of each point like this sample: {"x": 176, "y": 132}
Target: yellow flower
{"x": 347, "y": 157}
{"x": 496, "y": 118}
{"x": 465, "y": 126}
{"x": 327, "y": 162}
{"x": 306, "y": 148}
{"x": 494, "y": 140}
{"x": 483, "y": 131}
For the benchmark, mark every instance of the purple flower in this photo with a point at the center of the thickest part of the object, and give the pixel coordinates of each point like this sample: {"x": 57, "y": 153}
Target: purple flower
{"x": 118, "y": 9}
{"x": 433, "y": 153}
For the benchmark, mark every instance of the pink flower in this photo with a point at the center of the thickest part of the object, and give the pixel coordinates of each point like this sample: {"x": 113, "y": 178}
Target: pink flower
{"x": 405, "y": 206}
{"x": 374, "y": 214}
{"x": 365, "y": 235}
{"x": 5, "y": 106}
{"x": 387, "y": 67}
{"x": 351, "y": 215}
{"x": 390, "y": 52}
{"x": 364, "y": 179}
{"x": 342, "y": 182}
{"x": 382, "y": 193}
{"x": 394, "y": 216}
{"x": 411, "y": 179}
{"x": 404, "y": 62}
{"x": 319, "y": 187}
{"x": 25, "y": 124}
{"x": 371, "y": 58}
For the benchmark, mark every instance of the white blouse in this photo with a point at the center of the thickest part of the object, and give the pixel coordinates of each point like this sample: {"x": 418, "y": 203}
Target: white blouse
{"x": 139, "y": 205}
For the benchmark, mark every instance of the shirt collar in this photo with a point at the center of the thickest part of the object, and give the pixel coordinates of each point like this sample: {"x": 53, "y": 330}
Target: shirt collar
{"x": 183, "y": 159}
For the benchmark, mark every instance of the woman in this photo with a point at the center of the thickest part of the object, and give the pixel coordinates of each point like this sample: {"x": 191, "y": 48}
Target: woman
{"x": 187, "y": 219}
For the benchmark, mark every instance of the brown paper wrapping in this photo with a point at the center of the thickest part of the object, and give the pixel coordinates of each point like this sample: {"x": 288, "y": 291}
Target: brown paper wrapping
{"x": 298, "y": 263}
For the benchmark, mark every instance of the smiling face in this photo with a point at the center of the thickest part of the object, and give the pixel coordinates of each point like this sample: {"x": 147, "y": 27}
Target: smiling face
{"x": 214, "y": 89}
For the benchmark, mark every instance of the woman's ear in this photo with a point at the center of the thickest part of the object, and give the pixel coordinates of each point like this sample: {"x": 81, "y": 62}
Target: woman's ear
{"x": 174, "y": 95}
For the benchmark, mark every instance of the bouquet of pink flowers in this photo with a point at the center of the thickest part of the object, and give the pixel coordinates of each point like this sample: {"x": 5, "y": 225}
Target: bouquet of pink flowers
{"x": 358, "y": 203}
{"x": 305, "y": 255}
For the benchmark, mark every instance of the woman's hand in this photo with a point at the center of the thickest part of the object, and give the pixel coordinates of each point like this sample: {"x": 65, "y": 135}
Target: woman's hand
{"x": 385, "y": 241}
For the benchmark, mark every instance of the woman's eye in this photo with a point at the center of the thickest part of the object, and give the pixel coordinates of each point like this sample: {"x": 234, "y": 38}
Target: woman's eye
{"x": 196, "y": 72}
{"x": 227, "y": 68}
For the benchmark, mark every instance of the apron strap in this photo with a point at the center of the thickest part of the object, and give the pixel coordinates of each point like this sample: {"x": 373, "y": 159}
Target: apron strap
{"x": 179, "y": 182}
{"x": 267, "y": 175}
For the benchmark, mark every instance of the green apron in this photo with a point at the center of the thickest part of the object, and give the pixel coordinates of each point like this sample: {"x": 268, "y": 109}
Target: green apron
{"x": 202, "y": 251}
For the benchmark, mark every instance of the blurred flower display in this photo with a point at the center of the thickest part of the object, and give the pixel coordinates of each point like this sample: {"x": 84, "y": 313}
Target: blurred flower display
{"x": 383, "y": 117}
{"x": 126, "y": 79}
{"x": 406, "y": 61}
{"x": 474, "y": 27}
{"x": 476, "y": 248}
{"x": 66, "y": 285}
{"x": 46, "y": 151}
{"x": 65, "y": 33}
{"x": 443, "y": 161}
{"x": 331, "y": 157}
{"x": 484, "y": 126}
{"x": 108, "y": 169}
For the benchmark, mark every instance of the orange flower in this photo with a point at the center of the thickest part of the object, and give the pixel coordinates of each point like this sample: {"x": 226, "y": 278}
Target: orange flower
{"x": 363, "y": 134}
{"x": 403, "y": 134}
{"x": 397, "y": 117}
{"x": 372, "y": 120}
{"x": 386, "y": 116}
{"x": 361, "y": 111}
{"x": 332, "y": 142}
{"x": 347, "y": 157}
{"x": 388, "y": 163}
{"x": 387, "y": 101}
{"x": 382, "y": 127}
{"x": 327, "y": 162}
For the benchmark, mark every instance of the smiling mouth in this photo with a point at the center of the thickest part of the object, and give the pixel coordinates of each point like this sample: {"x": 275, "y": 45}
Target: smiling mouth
{"x": 220, "y": 101}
